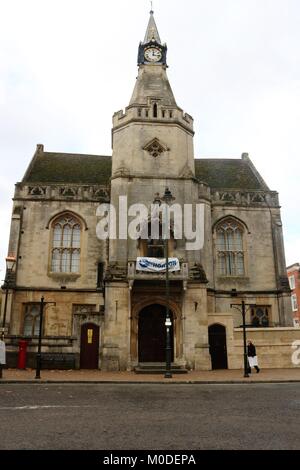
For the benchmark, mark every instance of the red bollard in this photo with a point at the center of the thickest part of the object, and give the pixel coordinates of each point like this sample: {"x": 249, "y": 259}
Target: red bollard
{"x": 22, "y": 354}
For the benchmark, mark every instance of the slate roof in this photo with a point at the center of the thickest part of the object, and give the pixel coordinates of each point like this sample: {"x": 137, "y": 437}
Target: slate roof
{"x": 228, "y": 174}
{"x": 68, "y": 168}
{"x": 48, "y": 167}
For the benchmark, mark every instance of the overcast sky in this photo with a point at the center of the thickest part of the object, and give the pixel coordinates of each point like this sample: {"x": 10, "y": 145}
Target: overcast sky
{"x": 67, "y": 65}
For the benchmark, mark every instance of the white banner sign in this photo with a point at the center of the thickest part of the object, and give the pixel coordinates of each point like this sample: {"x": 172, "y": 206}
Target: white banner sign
{"x": 2, "y": 352}
{"x": 156, "y": 265}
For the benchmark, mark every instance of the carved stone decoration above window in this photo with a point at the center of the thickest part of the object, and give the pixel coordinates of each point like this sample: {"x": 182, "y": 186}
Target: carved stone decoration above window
{"x": 246, "y": 198}
{"x": 84, "y": 310}
{"x": 101, "y": 194}
{"x": 258, "y": 198}
{"x": 155, "y": 148}
{"x": 68, "y": 191}
{"x": 37, "y": 190}
{"x": 228, "y": 197}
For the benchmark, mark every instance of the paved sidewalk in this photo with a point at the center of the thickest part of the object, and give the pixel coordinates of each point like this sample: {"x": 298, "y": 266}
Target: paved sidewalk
{"x": 97, "y": 376}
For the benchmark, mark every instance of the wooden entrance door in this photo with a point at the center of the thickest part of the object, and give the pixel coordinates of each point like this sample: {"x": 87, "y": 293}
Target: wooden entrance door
{"x": 89, "y": 346}
{"x": 152, "y": 334}
{"x": 217, "y": 346}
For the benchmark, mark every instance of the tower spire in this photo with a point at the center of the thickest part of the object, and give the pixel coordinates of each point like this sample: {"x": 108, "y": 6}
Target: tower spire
{"x": 152, "y": 31}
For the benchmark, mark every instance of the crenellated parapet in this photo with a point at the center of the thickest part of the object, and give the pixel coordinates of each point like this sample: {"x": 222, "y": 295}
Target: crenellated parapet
{"x": 148, "y": 112}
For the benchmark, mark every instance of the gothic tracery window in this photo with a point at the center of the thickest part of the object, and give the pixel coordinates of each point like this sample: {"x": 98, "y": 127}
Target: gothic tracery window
{"x": 66, "y": 240}
{"x": 260, "y": 316}
{"x": 230, "y": 248}
{"x": 31, "y": 322}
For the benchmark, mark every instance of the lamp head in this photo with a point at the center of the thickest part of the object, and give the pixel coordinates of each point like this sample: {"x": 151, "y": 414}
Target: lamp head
{"x": 157, "y": 199}
{"x": 10, "y": 262}
{"x": 167, "y": 197}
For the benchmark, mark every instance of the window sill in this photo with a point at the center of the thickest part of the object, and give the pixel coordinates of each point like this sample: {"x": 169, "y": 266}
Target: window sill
{"x": 64, "y": 276}
{"x": 233, "y": 278}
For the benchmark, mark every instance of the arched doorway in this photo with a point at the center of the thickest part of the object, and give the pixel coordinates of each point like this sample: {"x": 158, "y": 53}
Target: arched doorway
{"x": 152, "y": 334}
{"x": 217, "y": 346}
{"x": 89, "y": 346}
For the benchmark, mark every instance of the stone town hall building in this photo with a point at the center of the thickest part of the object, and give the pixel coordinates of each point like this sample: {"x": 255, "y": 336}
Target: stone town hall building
{"x": 111, "y": 316}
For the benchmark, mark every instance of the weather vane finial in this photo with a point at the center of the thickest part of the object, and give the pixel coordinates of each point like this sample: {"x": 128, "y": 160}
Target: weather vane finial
{"x": 151, "y": 7}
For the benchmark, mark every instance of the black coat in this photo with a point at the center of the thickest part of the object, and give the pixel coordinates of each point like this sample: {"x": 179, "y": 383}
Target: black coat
{"x": 251, "y": 350}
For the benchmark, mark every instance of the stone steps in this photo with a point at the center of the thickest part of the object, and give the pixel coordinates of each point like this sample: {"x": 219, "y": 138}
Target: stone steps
{"x": 158, "y": 368}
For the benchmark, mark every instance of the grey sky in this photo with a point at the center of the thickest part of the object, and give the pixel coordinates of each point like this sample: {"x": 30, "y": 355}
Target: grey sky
{"x": 67, "y": 65}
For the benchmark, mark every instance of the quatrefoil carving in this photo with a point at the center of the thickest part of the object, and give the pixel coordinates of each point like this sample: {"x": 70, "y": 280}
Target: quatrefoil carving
{"x": 155, "y": 148}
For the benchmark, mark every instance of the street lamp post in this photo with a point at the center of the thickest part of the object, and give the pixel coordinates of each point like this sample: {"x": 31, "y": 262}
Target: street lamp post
{"x": 243, "y": 311}
{"x": 168, "y": 323}
{"x": 244, "y": 340}
{"x": 167, "y": 198}
{"x": 39, "y": 352}
{"x": 10, "y": 263}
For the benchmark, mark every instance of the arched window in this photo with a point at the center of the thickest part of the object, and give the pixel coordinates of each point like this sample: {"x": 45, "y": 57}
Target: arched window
{"x": 155, "y": 110}
{"x": 230, "y": 248}
{"x": 66, "y": 240}
{"x": 155, "y": 247}
{"x": 31, "y": 323}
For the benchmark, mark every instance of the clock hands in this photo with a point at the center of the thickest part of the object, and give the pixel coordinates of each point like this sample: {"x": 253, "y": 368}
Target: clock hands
{"x": 153, "y": 54}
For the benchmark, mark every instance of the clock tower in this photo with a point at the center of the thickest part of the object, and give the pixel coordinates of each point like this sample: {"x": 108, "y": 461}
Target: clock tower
{"x": 153, "y": 137}
{"x": 152, "y": 142}
{"x": 151, "y": 50}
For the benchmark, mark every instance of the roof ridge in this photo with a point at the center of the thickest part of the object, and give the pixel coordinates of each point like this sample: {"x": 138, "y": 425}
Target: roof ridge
{"x": 218, "y": 159}
{"x": 74, "y": 153}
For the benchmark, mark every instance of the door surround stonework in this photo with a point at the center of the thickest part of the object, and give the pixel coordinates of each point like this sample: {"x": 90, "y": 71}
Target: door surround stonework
{"x": 138, "y": 306}
{"x": 82, "y": 314}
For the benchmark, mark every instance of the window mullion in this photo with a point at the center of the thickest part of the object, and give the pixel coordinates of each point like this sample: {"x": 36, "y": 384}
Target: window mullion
{"x": 71, "y": 248}
{"x": 62, "y": 236}
{"x": 70, "y": 260}
{"x": 235, "y": 263}
{"x": 61, "y": 252}
{"x": 228, "y": 252}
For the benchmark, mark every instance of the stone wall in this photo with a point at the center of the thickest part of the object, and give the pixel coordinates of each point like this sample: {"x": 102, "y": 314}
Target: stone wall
{"x": 273, "y": 346}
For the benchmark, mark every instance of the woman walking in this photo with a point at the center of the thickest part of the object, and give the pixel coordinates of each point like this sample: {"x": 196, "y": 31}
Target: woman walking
{"x": 252, "y": 357}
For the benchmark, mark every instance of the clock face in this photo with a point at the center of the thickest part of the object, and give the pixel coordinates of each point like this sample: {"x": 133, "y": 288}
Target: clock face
{"x": 153, "y": 54}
